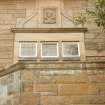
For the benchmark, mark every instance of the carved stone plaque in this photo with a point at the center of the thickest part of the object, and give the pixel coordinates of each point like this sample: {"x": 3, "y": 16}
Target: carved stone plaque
{"x": 49, "y": 15}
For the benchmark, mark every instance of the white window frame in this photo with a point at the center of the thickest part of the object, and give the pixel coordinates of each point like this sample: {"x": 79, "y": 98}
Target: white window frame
{"x": 78, "y": 44}
{"x": 57, "y": 47}
{"x": 20, "y": 44}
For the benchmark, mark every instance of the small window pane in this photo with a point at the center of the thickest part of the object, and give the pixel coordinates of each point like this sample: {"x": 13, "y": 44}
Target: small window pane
{"x": 3, "y": 91}
{"x": 49, "y": 50}
{"x": 70, "y": 49}
{"x": 28, "y": 49}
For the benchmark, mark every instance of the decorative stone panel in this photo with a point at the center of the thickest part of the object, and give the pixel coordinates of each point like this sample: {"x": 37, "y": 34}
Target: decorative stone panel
{"x": 49, "y": 15}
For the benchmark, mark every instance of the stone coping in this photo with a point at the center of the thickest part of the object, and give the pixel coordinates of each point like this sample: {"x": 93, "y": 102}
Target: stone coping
{"x": 49, "y": 30}
{"x": 71, "y": 65}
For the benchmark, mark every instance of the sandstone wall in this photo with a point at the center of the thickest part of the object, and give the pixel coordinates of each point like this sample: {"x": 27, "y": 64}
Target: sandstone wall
{"x": 8, "y": 15}
{"x": 14, "y": 11}
{"x": 44, "y": 84}
{"x": 94, "y": 39}
{"x": 56, "y": 83}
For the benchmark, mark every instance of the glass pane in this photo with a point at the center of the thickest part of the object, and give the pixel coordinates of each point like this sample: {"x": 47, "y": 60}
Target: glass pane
{"x": 3, "y": 91}
{"x": 70, "y": 49}
{"x": 49, "y": 50}
{"x": 28, "y": 49}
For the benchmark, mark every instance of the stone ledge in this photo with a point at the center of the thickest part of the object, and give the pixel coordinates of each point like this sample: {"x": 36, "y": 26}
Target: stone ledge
{"x": 49, "y": 30}
{"x": 67, "y": 65}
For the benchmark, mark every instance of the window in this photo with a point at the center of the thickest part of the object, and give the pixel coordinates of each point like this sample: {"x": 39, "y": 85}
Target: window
{"x": 3, "y": 91}
{"x": 70, "y": 49}
{"x": 28, "y": 49}
{"x": 49, "y": 49}
{"x": 67, "y": 50}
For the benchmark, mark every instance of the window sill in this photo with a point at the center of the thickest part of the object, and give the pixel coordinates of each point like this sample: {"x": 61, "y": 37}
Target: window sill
{"x": 52, "y": 59}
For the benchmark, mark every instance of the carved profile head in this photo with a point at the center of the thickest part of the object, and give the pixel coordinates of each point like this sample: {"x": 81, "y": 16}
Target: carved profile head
{"x": 49, "y": 15}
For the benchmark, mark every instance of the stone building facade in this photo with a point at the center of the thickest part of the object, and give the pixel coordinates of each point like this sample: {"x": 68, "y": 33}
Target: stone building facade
{"x": 45, "y": 58}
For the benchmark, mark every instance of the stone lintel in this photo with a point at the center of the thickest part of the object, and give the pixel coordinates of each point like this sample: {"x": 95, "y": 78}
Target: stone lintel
{"x": 49, "y": 30}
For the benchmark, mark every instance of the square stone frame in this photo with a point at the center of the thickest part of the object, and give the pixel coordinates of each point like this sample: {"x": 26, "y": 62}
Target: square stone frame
{"x": 54, "y": 10}
{"x": 58, "y": 18}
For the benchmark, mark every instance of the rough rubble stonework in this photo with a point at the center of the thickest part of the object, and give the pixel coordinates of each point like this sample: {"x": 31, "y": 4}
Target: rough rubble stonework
{"x": 45, "y": 82}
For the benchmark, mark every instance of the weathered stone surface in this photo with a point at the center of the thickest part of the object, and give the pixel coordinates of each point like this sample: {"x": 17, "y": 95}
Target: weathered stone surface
{"x": 46, "y": 89}
{"x": 55, "y": 100}
{"x": 27, "y": 87}
{"x": 45, "y": 80}
{"x": 86, "y": 87}
{"x": 70, "y": 79}
{"x": 89, "y": 99}
{"x": 96, "y": 72}
{"x": 76, "y": 89}
{"x": 60, "y": 72}
{"x": 29, "y": 99}
{"x": 14, "y": 10}
{"x": 64, "y": 79}
{"x": 97, "y": 78}
{"x": 27, "y": 75}
{"x": 56, "y": 83}
{"x": 100, "y": 87}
